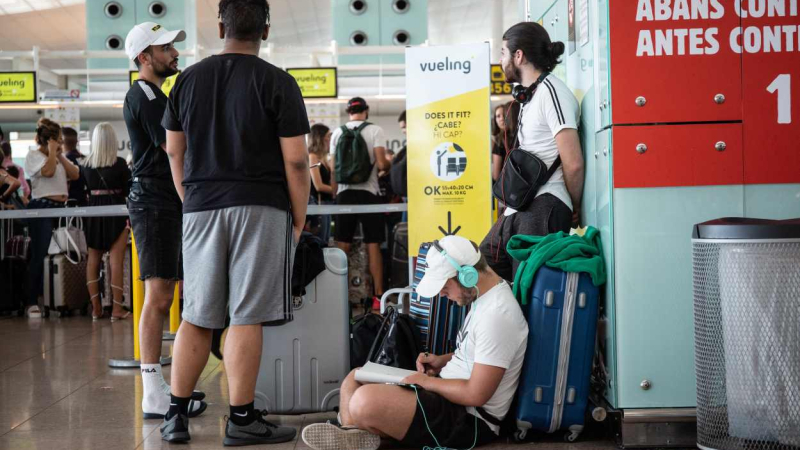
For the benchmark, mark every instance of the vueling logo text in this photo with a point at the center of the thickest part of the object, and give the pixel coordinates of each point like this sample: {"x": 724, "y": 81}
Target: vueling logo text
{"x": 447, "y": 65}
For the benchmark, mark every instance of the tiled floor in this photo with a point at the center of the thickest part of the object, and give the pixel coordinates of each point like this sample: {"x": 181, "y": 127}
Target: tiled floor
{"x": 57, "y": 392}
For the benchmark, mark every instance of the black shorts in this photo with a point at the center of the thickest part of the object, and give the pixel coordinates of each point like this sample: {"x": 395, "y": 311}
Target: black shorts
{"x": 452, "y": 425}
{"x": 159, "y": 234}
{"x": 546, "y": 214}
{"x": 346, "y": 224}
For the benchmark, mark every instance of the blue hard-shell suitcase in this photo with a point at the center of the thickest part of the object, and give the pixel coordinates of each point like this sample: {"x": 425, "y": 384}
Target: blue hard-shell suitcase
{"x": 553, "y": 387}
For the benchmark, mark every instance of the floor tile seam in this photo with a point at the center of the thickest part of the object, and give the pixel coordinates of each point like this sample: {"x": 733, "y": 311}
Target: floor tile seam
{"x": 53, "y": 348}
{"x": 211, "y": 372}
{"x": 58, "y": 401}
{"x": 144, "y": 438}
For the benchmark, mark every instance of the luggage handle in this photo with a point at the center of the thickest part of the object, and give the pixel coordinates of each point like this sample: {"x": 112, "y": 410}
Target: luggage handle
{"x": 383, "y": 333}
{"x": 401, "y": 304}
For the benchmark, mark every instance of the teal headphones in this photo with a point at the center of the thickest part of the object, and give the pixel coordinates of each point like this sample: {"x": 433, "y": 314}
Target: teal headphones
{"x": 467, "y": 275}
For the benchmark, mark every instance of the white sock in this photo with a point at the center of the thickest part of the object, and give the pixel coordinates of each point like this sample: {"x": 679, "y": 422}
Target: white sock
{"x": 165, "y": 386}
{"x": 154, "y": 400}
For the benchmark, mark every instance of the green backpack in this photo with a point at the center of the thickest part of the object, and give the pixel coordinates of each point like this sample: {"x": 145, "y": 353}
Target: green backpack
{"x": 352, "y": 164}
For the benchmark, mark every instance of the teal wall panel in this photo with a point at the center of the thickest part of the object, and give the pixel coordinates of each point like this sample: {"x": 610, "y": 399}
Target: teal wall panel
{"x": 555, "y": 22}
{"x": 653, "y": 288}
{"x": 414, "y": 21}
{"x": 603, "y": 207}
{"x": 174, "y": 18}
{"x": 99, "y": 27}
{"x": 590, "y": 157}
{"x": 772, "y": 201}
{"x": 603, "y": 63}
{"x": 345, "y": 23}
{"x": 380, "y": 21}
{"x": 537, "y": 8}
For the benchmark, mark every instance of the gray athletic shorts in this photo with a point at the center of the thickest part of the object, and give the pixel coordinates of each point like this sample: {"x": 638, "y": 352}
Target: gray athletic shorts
{"x": 237, "y": 259}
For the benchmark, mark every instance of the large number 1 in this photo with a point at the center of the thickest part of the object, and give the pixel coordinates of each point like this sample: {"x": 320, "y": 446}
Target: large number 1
{"x": 783, "y": 84}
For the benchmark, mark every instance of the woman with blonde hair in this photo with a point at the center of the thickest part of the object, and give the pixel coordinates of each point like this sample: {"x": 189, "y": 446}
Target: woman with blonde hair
{"x": 107, "y": 177}
{"x": 49, "y": 171}
{"x": 321, "y": 188}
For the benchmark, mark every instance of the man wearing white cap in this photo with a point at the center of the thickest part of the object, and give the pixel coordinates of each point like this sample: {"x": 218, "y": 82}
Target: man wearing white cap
{"x": 153, "y": 204}
{"x": 457, "y": 400}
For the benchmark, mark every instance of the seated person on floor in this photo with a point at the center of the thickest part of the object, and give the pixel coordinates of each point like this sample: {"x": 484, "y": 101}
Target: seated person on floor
{"x": 459, "y": 398}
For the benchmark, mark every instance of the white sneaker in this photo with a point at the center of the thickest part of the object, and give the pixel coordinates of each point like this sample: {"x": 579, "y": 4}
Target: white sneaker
{"x": 327, "y": 436}
{"x": 34, "y": 312}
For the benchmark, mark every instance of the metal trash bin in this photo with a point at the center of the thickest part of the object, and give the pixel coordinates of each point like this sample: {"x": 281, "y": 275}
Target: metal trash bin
{"x": 747, "y": 333}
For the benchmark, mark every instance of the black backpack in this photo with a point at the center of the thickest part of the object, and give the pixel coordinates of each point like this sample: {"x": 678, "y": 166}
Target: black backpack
{"x": 398, "y": 343}
{"x": 363, "y": 331}
{"x": 399, "y": 174}
{"x": 309, "y": 261}
{"x": 352, "y": 162}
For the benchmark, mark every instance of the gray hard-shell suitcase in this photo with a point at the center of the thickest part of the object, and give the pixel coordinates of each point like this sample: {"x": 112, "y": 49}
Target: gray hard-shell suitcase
{"x": 65, "y": 285}
{"x": 304, "y": 362}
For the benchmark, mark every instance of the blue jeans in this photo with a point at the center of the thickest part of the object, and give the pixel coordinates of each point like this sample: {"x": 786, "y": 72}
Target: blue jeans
{"x": 41, "y": 230}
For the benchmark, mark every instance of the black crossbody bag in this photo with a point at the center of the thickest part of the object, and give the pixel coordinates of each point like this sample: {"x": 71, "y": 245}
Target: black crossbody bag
{"x": 522, "y": 176}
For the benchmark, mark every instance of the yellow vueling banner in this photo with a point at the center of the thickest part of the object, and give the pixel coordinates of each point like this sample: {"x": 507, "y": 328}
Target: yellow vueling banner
{"x": 165, "y": 88}
{"x": 449, "y": 147}
{"x": 316, "y": 82}
{"x": 17, "y": 87}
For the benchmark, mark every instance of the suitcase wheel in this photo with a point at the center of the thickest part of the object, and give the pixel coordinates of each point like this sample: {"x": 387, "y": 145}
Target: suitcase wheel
{"x": 571, "y": 436}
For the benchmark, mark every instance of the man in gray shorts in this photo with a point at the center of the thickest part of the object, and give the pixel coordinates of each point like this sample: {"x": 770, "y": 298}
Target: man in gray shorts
{"x": 236, "y": 130}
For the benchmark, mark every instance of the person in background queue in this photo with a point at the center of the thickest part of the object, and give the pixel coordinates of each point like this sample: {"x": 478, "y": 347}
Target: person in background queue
{"x": 107, "y": 177}
{"x": 366, "y": 193}
{"x": 77, "y": 188}
{"x": 50, "y": 171}
{"x": 321, "y": 187}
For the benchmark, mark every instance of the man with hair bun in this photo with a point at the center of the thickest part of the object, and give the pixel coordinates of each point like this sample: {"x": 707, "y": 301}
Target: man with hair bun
{"x": 548, "y": 128}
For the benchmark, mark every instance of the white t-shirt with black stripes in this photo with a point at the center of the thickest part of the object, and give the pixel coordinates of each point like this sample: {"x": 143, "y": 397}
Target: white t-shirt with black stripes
{"x": 552, "y": 109}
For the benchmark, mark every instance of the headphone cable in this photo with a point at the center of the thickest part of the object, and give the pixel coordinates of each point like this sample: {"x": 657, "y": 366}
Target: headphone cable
{"x": 425, "y": 418}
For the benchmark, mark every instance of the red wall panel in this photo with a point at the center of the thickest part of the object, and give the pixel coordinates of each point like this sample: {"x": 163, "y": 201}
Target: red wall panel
{"x": 677, "y": 155}
{"x": 677, "y": 88}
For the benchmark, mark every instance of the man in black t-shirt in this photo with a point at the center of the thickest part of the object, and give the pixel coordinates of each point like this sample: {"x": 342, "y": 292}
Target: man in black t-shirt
{"x": 153, "y": 205}
{"x": 236, "y": 129}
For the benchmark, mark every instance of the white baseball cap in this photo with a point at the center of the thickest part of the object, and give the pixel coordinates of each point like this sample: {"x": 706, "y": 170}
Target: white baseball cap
{"x": 440, "y": 269}
{"x": 150, "y": 33}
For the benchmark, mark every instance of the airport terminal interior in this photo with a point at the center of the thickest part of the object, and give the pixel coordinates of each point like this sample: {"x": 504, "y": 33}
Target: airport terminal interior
{"x": 400, "y": 224}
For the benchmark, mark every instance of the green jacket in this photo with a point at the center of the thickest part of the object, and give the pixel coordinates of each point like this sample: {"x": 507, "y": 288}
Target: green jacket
{"x": 558, "y": 250}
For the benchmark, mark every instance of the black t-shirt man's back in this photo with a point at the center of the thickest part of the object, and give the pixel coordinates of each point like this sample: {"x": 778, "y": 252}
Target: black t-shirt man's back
{"x": 233, "y": 109}
{"x": 144, "y": 108}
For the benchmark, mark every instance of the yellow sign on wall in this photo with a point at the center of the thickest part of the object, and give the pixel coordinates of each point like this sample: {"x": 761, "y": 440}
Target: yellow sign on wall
{"x": 17, "y": 87}
{"x": 499, "y": 84}
{"x": 449, "y": 177}
{"x": 317, "y": 82}
{"x": 165, "y": 88}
